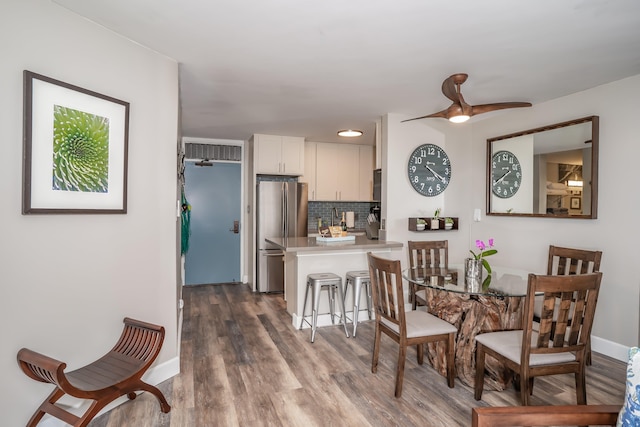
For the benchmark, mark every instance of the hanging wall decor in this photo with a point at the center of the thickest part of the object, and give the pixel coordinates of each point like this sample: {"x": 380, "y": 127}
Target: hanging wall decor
{"x": 75, "y": 149}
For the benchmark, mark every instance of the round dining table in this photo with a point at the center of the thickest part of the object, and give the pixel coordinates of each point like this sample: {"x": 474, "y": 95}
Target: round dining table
{"x": 493, "y": 303}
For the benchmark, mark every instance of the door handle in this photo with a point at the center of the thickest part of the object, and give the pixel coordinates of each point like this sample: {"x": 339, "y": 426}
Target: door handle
{"x": 236, "y": 227}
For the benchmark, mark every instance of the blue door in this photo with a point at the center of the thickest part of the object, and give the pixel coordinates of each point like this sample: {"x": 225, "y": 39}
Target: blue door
{"x": 214, "y": 244}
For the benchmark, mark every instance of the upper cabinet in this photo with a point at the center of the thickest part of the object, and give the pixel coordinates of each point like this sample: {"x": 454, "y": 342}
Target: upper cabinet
{"x": 339, "y": 171}
{"x": 366, "y": 163}
{"x": 310, "y": 168}
{"x": 278, "y": 155}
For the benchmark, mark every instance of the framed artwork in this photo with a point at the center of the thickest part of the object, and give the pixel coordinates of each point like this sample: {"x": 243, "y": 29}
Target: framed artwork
{"x": 75, "y": 149}
{"x": 576, "y": 203}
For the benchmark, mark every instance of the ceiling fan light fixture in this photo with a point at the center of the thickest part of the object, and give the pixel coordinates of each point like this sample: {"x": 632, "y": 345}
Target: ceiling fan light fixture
{"x": 459, "y": 119}
{"x": 460, "y": 111}
{"x": 350, "y": 133}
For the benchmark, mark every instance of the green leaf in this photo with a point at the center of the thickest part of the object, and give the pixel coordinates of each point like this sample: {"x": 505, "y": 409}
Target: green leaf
{"x": 486, "y": 282}
{"x": 489, "y": 252}
{"x": 486, "y": 266}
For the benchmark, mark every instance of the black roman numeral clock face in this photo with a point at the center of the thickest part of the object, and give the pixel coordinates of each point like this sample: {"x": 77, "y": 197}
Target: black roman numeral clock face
{"x": 429, "y": 170}
{"x": 506, "y": 174}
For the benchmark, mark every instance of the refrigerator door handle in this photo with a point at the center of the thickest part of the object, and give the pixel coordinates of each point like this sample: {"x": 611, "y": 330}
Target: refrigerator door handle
{"x": 273, "y": 254}
{"x": 285, "y": 209}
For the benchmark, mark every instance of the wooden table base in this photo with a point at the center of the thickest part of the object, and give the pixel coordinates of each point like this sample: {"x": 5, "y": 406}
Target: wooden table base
{"x": 472, "y": 315}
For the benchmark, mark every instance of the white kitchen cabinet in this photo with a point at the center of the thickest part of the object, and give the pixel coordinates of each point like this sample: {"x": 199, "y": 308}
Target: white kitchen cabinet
{"x": 367, "y": 162}
{"x": 310, "y": 168}
{"x": 337, "y": 172}
{"x": 279, "y": 155}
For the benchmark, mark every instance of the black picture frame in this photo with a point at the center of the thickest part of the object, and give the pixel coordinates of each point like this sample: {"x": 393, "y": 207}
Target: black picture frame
{"x": 575, "y": 203}
{"x": 75, "y": 149}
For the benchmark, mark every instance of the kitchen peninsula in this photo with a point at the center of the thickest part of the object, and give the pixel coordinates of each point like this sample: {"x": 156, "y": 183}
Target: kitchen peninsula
{"x": 304, "y": 255}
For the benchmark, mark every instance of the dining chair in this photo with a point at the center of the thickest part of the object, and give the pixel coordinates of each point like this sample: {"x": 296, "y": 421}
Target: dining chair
{"x": 572, "y": 261}
{"x": 433, "y": 254}
{"x": 567, "y": 261}
{"x": 405, "y": 328}
{"x": 545, "y": 415}
{"x": 558, "y": 346}
{"x": 627, "y": 414}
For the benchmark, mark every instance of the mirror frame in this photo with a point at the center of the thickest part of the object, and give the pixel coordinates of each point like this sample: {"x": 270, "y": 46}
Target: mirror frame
{"x": 595, "y": 131}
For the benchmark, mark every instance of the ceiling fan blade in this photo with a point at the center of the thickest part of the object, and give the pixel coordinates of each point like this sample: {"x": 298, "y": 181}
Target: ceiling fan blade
{"x": 451, "y": 86}
{"x": 449, "y": 89}
{"x": 460, "y": 108}
{"x": 485, "y": 108}
{"x": 442, "y": 114}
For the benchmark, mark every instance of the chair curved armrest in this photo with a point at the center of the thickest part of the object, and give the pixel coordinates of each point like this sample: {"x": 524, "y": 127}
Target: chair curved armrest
{"x": 117, "y": 373}
{"x": 144, "y": 325}
{"x": 41, "y": 368}
{"x": 545, "y": 415}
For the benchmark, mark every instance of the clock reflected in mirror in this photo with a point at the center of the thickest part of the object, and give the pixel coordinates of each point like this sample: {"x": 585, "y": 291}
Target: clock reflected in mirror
{"x": 429, "y": 170}
{"x": 506, "y": 174}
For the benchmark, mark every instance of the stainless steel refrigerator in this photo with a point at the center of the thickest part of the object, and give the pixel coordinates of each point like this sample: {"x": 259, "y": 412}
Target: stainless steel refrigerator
{"x": 281, "y": 212}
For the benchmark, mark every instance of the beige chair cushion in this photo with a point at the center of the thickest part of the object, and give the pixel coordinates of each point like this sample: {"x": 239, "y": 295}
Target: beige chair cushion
{"x": 421, "y": 324}
{"x": 422, "y": 294}
{"x": 509, "y": 344}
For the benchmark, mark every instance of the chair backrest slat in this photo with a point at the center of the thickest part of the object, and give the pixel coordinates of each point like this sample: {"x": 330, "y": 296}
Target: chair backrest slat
{"x": 386, "y": 289}
{"x": 564, "y": 327}
{"x": 565, "y": 261}
{"x": 432, "y": 254}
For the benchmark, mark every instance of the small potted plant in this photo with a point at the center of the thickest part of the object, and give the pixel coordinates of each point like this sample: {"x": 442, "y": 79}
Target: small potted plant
{"x": 435, "y": 221}
{"x": 420, "y": 224}
{"x": 448, "y": 223}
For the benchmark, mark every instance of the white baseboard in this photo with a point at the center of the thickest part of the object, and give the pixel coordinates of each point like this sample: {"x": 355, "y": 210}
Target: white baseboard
{"x": 599, "y": 345}
{"x": 153, "y": 376}
{"x": 610, "y": 348}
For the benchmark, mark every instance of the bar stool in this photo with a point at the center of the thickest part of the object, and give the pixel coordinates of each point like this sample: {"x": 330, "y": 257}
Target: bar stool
{"x": 329, "y": 282}
{"x": 358, "y": 279}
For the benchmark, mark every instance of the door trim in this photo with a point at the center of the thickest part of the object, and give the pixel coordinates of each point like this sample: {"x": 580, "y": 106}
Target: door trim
{"x": 244, "y": 217}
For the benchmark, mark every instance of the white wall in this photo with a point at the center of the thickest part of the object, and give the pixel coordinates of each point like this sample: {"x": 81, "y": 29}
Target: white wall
{"x": 523, "y": 242}
{"x": 522, "y": 200}
{"x": 69, "y": 280}
{"x": 401, "y": 201}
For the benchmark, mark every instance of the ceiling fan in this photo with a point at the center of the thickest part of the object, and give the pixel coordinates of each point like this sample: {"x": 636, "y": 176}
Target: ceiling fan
{"x": 460, "y": 111}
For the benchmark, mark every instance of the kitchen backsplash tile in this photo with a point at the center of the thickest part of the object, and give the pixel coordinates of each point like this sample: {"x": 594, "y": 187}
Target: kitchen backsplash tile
{"x": 281, "y": 178}
{"x": 325, "y": 210}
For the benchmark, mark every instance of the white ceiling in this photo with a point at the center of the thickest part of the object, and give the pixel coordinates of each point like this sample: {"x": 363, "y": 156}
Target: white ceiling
{"x": 309, "y": 68}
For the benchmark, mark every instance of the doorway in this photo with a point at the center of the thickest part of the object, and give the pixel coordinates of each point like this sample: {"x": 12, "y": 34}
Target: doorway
{"x": 213, "y": 189}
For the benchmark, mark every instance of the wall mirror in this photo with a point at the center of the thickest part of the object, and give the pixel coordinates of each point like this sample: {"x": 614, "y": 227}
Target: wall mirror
{"x": 551, "y": 171}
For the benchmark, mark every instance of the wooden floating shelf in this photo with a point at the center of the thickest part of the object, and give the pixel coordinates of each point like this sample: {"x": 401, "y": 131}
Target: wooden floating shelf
{"x": 413, "y": 224}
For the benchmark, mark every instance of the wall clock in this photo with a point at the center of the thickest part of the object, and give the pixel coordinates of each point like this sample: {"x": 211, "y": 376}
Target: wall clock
{"x": 429, "y": 170}
{"x": 506, "y": 174}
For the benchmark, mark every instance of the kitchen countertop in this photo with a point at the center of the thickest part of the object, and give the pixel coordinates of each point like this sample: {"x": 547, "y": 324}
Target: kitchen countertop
{"x": 309, "y": 244}
{"x": 354, "y": 231}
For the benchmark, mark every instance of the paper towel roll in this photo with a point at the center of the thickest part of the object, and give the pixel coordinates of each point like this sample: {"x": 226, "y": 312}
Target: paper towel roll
{"x": 351, "y": 220}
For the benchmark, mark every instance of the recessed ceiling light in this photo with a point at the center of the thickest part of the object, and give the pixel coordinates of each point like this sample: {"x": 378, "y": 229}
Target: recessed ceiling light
{"x": 350, "y": 133}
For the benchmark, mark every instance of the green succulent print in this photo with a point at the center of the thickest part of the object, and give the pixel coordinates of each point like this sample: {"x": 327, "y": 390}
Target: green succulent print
{"x": 80, "y": 151}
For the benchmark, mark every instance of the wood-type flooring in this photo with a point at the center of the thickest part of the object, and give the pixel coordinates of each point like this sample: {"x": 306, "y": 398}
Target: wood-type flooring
{"x": 244, "y": 364}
